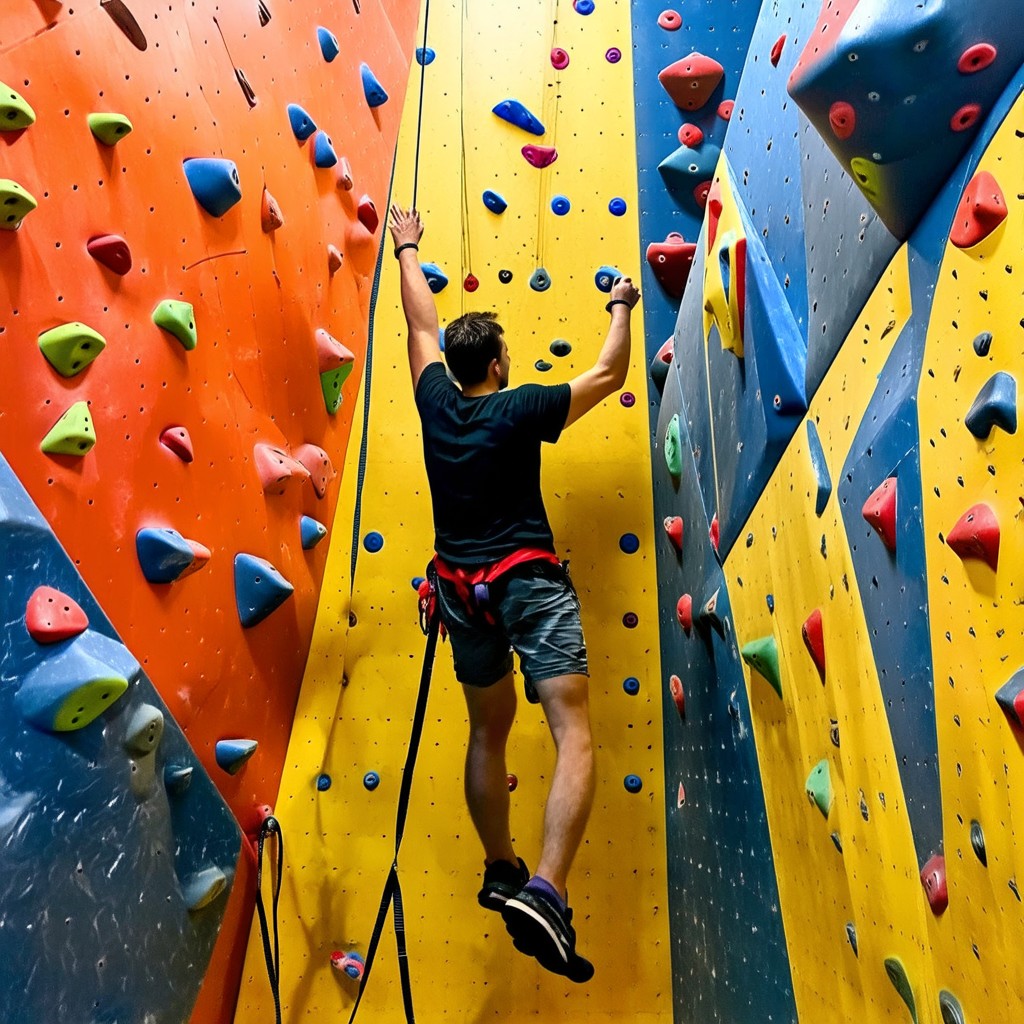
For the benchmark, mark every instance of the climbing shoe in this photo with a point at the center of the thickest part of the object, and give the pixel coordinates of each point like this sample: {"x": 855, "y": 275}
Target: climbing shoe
{"x": 542, "y": 929}
{"x": 502, "y": 880}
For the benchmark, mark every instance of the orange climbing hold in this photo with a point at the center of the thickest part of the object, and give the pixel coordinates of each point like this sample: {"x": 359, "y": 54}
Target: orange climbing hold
{"x": 278, "y": 471}
{"x": 814, "y": 641}
{"x": 880, "y": 512}
{"x": 691, "y": 81}
{"x": 976, "y": 535}
{"x": 271, "y": 217}
{"x": 334, "y": 259}
{"x": 982, "y": 209}
{"x": 318, "y": 465}
{"x": 177, "y": 439}
{"x": 671, "y": 261}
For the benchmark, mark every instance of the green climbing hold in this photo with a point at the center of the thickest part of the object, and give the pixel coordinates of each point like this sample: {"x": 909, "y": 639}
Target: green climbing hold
{"x": 898, "y": 976}
{"x": 110, "y": 129}
{"x": 762, "y": 655}
{"x": 16, "y": 203}
{"x": 72, "y": 434}
{"x": 70, "y": 348}
{"x": 819, "y": 787}
{"x": 674, "y": 448}
{"x": 15, "y": 113}
{"x": 179, "y": 319}
{"x": 331, "y": 382}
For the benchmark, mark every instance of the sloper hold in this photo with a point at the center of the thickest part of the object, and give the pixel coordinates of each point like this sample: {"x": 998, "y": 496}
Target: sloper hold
{"x": 16, "y": 203}
{"x": 540, "y": 156}
{"x": 70, "y": 348}
{"x": 819, "y": 787}
{"x": 933, "y": 878}
{"x": 110, "y": 129}
{"x": 202, "y": 888}
{"x": 15, "y": 112}
{"x": 330, "y": 353}
{"x": 515, "y": 113}
{"x": 334, "y": 259}
{"x": 1010, "y": 697}
{"x": 976, "y": 535}
{"x": 76, "y": 684}
{"x": 112, "y": 251}
{"x": 880, "y": 512}
{"x": 494, "y": 202}
{"x": 372, "y": 89}
{"x": 674, "y": 448}
{"x": 163, "y": 554}
{"x": 762, "y": 655}
{"x": 302, "y": 124}
{"x": 51, "y": 615}
{"x": 814, "y": 641}
{"x": 318, "y": 465}
{"x": 232, "y": 754}
{"x": 323, "y": 151}
{"x": 144, "y": 730}
{"x": 691, "y": 81}
{"x": 178, "y": 440}
{"x": 671, "y": 261}
{"x": 981, "y": 210}
{"x": 995, "y": 406}
{"x": 277, "y": 470}
{"x": 311, "y": 531}
{"x": 437, "y": 279}
{"x": 328, "y": 43}
{"x": 178, "y": 319}
{"x": 820, "y": 467}
{"x": 72, "y": 434}
{"x": 214, "y": 183}
{"x": 271, "y": 217}
{"x": 898, "y": 976}
{"x": 259, "y": 589}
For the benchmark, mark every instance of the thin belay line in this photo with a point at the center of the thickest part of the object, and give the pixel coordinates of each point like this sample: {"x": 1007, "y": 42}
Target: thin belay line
{"x": 467, "y": 248}
{"x": 419, "y": 119}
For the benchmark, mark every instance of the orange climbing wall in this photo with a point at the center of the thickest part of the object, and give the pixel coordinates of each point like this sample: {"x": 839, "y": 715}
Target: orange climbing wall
{"x": 258, "y": 297}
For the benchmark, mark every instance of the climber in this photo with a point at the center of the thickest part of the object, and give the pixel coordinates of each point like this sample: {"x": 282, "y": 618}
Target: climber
{"x": 501, "y": 586}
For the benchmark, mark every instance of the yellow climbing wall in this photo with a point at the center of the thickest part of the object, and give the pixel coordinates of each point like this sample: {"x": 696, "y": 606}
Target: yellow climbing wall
{"x": 358, "y": 695}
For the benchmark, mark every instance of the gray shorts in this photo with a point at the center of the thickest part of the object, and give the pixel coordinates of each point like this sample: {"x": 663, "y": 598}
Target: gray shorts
{"x": 536, "y": 613}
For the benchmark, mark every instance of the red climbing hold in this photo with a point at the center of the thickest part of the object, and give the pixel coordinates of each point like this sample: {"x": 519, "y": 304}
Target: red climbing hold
{"x": 179, "y": 441}
{"x": 471, "y": 283}
{"x": 982, "y": 209}
{"x": 700, "y": 193}
{"x": 202, "y": 555}
{"x": 540, "y": 156}
{"x": 367, "y": 214}
{"x": 843, "y": 119}
{"x": 976, "y": 535}
{"x": 776, "y": 55}
{"x": 674, "y": 528}
{"x": 330, "y": 353}
{"x": 965, "y": 117}
{"x": 976, "y": 58}
{"x": 880, "y": 512}
{"x": 277, "y": 469}
{"x": 690, "y": 135}
{"x": 933, "y": 878}
{"x": 51, "y": 616}
{"x": 814, "y": 640}
{"x": 670, "y": 21}
{"x": 680, "y": 796}
{"x": 513, "y": 782}
{"x": 671, "y": 261}
{"x": 725, "y": 109}
{"x": 667, "y": 353}
{"x": 691, "y": 81}
{"x": 318, "y": 464}
{"x": 559, "y": 59}
{"x": 112, "y": 251}
{"x": 684, "y": 613}
{"x": 675, "y": 686}
{"x": 271, "y": 217}
{"x": 713, "y": 532}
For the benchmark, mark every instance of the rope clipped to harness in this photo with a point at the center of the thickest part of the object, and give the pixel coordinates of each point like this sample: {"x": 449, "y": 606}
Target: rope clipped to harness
{"x": 270, "y": 827}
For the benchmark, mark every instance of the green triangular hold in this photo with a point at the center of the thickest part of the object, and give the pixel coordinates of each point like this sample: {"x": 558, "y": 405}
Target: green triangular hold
{"x": 762, "y": 655}
{"x": 16, "y": 203}
{"x": 179, "y": 319}
{"x": 110, "y": 129}
{"x": 331, "y": 382}
{"x": 674, "y": 448}
{"x": 15, "y": 113}
{"x": 819, "y": 787}
{"x": 72, "y": 434}
{"x": 70, "y": 348}
{"x": 898, "y": 976}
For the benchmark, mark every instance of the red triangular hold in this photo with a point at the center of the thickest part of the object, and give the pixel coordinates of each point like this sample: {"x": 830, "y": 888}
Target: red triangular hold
{"x": 814, "y": 639}
{"x": 691, "y": 81}
{"x": 982, "y": 209}
{"x": 671, "y": 261}
{"x": 277, "y": 469}
{"x": 776, "y": 51}
{"x": 675, "y": 685}
{"x": 976, "y": 535}
{"x": 367, "y": 214}
{"x": 674, "y": 528}
{"x": 880, "y": 512}
{"x": 51, "y": 616}
{"x": 177, "y": 439}
{"x": 112, "y": 251}
{"x": 684, "y": 613}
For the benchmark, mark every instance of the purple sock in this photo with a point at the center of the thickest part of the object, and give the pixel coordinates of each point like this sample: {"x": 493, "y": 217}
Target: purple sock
{"x": 538, "y": 884}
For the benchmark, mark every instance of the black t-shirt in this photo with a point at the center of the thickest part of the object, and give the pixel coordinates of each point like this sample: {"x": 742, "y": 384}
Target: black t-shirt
{"x": 483, "y": 464}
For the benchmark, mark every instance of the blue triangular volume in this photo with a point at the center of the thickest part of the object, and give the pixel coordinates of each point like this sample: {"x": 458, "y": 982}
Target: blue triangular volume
{"x": 259, "y": 589}
{"x": 515, "y": 113}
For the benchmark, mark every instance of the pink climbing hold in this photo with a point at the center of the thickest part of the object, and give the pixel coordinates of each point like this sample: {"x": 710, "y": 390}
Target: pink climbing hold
{"x": 670, "y": 21}
{"x": 51, "y": 616}
{"x": 933, "y": 878}
{"x": 690, "y": 135}
{"x": 471, "y": 283}
{"x": 667, "y": 352}
{"x": 367, "y": 214}
{"x": 725, "y": 109}
{"x": 112, "y": 251}
{"x": 965, "y": 117}
{"x": 880, "y": 512}
{"x": 540, "y": 156}
{"x": 976, "y": 58}
{"x": 981, "y": 210}
{"x": 277, "y": 470}
{"x": 671, "y": 261}
{"x": 776, "y": 53}
{"x": 684, "y": 613}
{"x": 675, "y": 687}
{"x": 179, "y": 441}
{"x": 330, "y": 353}
{"x": 680, "y": 796}
{"x": 318, "y": 464}
{"x": 691, "y": 81}
{"x": 976, "y": 535}
{"x": 713, "y": 532}
{"x": 814, "y": 641}
{"x": 559, "y": 59}
{"x": 843, "y": 119}
{"x": 674, "y": 528}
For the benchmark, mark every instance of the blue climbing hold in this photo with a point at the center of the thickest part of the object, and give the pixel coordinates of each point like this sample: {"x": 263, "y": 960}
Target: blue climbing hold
{"x": 820, "y": 467}
{"x": 515, "y": 113}
{"x": 373, "y": 542}
{"x": 631, "y": 685}
{"x": 605, "y": 278}
{"x": 302, "y": 124}
{"x": 214, "y": 183}
{"x": 323, "y": 151}
{"x": 560, "y": 205}
{"x": 311, "y": 531}
{"x": 371, "y": 780}
{"x": 494, "y": 202}
{"x": 629, "y": 543}
{"x": 259, "y": 589}
{"x": 417, "y": 581}
{"x": 440, "y": 338}
{"x": 584, "y": 6}
{"x": 424, "y": 56}
{"x": 328, "y": 43}
{"x": 542, "y": 365}
{"x": 560, "y": 347}
{"x": 685, "y": 169}
{"x": 375, "y": 92}
{"x": 633, "y": 783}
{"x": 995, "y": 406}
{"x": 617, "y": 207}
{"x": 232, "y": 754}
{"x": 323, "y": 782}
{"x": 769, "y": 599}
{"x": 178, "y": 777}
{"x": 163, "y": 554}
{"x": 437, "y": 279}
{"x": 540, "y": 280}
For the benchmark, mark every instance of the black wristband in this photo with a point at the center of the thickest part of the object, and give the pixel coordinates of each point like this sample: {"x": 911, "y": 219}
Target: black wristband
{"x": 616, "y": 302}
{"x": 406, "y": 245}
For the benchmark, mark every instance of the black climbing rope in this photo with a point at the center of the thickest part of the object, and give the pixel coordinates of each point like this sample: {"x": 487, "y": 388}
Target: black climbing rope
{"x": 270, "y": 827}
{"x": 419, "y": 118}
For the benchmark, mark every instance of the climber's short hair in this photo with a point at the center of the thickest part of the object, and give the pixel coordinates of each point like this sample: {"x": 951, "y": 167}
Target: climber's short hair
{"x": 470, "y": 343}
